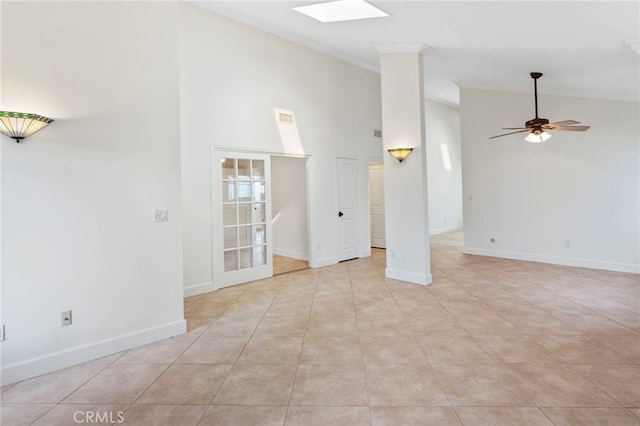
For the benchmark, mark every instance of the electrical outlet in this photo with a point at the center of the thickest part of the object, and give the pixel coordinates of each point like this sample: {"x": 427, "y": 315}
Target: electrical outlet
{"x": 567, "y": 243}
{"x": 2, "y": 337}
{"x": 66, "y": 318}
{"x": 161, "y": 215}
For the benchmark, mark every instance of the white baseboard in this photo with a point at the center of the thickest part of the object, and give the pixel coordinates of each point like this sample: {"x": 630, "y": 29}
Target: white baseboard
{"x": 408, "y": 277}
{"x": 56, "y": 361}
{"x": 196, "y": 289}
{"x": 555, "y": 260}
{"x": 290, "y": 253}
{"x": 445, "y": 230}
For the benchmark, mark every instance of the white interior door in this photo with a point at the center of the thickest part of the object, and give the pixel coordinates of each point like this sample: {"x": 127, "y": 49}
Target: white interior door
{"x": 376, "y": 205}
{"x": 347, "y": 179}
{"x": 241, "y": 208}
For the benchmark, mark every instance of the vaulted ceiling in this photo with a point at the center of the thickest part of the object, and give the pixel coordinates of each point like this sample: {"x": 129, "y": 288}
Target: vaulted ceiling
{"x": 585, "y": 49}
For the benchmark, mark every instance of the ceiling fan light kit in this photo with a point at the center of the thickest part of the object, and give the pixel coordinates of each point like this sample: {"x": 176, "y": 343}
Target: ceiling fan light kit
{"x": 537, "y": 127}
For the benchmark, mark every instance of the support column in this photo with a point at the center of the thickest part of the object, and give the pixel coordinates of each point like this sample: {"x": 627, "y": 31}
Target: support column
{"x": 405, "y": 183}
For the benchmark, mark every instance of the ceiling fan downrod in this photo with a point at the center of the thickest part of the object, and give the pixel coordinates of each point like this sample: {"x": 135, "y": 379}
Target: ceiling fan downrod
{"x": 536, "y": 76}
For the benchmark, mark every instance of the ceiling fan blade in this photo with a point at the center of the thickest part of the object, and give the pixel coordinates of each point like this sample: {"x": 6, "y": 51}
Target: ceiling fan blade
{"x": 515, "y": 128}
{"x": 572, "y": 128}
{"x": 511, "y": 133}
{"x": 564, "y": 123}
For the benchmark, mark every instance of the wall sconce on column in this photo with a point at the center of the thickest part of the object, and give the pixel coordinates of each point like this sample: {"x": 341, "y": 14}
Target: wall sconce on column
{"x": 400, "y": 153}
{"x": 19, "y": 125}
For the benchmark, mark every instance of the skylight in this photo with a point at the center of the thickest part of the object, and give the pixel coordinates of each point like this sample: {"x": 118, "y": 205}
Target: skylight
{"x": 341, "y": 10}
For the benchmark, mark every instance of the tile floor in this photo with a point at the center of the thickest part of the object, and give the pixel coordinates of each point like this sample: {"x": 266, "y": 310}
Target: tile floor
{"x": 283, "y": 264}
{"x": 490, "y": 342}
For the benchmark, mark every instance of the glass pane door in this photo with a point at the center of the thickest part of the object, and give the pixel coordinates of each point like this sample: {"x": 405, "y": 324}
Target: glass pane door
{"x": 243, "y": 201}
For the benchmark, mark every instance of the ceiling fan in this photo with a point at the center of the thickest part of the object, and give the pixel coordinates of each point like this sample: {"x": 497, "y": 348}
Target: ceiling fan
{"x": 538, "y": 127}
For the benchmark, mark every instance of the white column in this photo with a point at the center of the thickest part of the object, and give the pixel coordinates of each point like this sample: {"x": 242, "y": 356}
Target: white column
{"x": 405, "y": 184}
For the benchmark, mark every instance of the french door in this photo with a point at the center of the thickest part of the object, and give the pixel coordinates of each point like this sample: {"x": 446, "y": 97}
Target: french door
{"x": 241, "y": 209}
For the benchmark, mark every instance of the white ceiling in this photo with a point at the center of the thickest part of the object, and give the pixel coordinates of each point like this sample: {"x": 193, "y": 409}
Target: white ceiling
{"x": 579, "y": 46}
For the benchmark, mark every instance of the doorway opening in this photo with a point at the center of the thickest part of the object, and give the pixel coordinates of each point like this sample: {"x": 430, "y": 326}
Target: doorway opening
{"x": 289, "y": 212}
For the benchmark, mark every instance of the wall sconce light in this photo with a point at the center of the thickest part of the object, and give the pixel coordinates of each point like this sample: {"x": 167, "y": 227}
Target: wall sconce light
{"x": 19, "y": 125}
{"x": 400, "y": 153}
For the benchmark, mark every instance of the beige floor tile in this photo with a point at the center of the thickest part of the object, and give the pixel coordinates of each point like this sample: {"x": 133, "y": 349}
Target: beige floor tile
{"x": 204, "y": 308}
{"x": 283, "y": 326}
{"x": 590, "y": 417}
{"x": 163, "y": 415}
{"x": 289, "y": 309}
{"x": 580, "y": 349}
{"x": 53, "y": 387}
{"x": 464, "y": 305}
{"x": 635, "y": 411}
{"x": 516, "y": 349}
{"x": 186, "y": 384}
{"x": 621, "y": 382}
{"x": 233, "y": 327}
{"x": 329, "y": 385}
{"x": 489, "y": 323}
{"x": 557, "y": 385}
{"x": 631, "y": 320}
{"x": 195, "y": 324}
{"x": 626, "y": 344}
{"x": 553, "y": 304}
{"x": 323, "y": 416}
{"x": 272, "y": 350}
{"x": 73, "y": 414}
{"x": 118, "y": 383}
{"x": 452, "y": 349}
{"x": 502, "y": 416}
{"x": 162, "y": 352}
{"x": 257, "y": 385}
{"x": 283, "y": 264}
{"x": 246, "y": 308}
{"x": 244, "y": 415}
{"x": 403, "y": 385}
{"x": 22, "y": 414}
{"x": 414, "y": 416}
{"x": 331, "y": 350}
{"x": 332, "y": 326}
{"x": 214, "y": 350}
{"x": 377, "y": 308}
{"x": 542, "y": 324}
{"x": 440, "y": 323}
{"x": 592, "y": 323}
{"x": 383, "y": 326}
{"x": 480, "y": 385}
{"x": 391, "y": 349}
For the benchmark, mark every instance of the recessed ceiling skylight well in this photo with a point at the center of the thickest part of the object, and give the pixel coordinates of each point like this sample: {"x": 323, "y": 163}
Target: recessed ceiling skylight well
{"x": 342, "y": 10}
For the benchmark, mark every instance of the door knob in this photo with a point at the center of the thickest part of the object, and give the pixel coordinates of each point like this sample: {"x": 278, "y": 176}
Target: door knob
{"x": 340, "y": 214}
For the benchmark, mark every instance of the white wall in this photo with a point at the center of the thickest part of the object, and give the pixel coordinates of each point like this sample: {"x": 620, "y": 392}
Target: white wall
{"x": 579, "y": 187}
{"x": 78, "y": 196}
{"x": 445, "y": 184}
{"x": 232, "y": 77}
{"x": 289, "y": 207}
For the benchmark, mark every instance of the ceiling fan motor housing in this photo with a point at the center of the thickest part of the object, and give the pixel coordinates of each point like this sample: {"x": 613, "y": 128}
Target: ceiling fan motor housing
{"x": 536, "y": 123}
